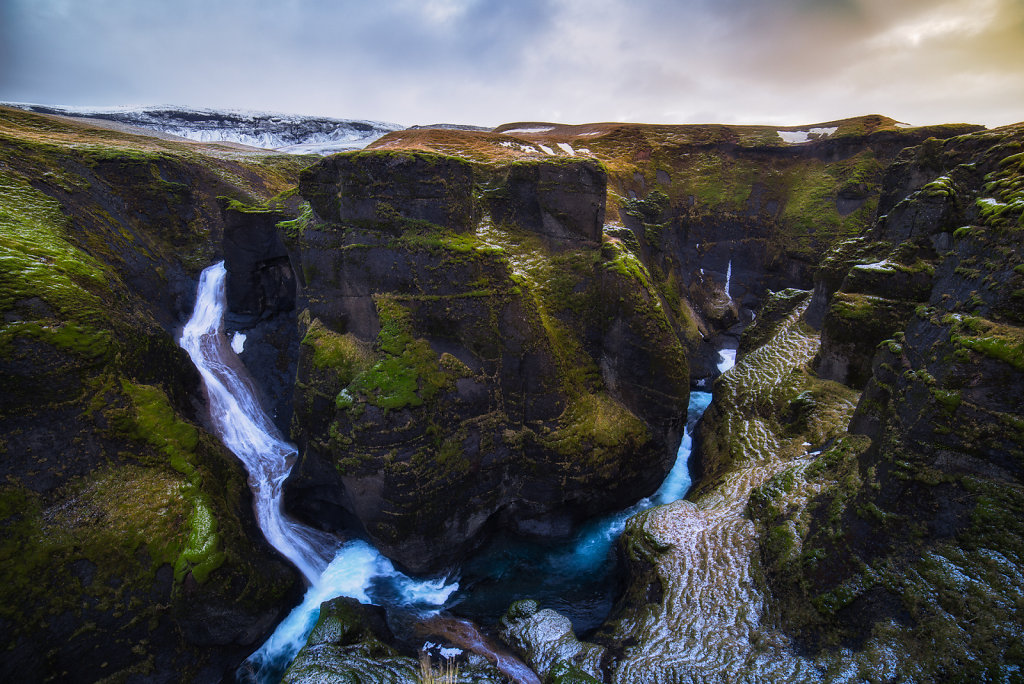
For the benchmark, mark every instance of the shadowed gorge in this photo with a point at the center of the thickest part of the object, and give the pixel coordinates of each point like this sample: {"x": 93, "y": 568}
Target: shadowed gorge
{"x": 493, "y": 351}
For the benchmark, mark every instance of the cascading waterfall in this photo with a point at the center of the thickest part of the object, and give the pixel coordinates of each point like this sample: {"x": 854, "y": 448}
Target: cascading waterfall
{"x": 246, "y": 429}
{"x": 330, "y": 567}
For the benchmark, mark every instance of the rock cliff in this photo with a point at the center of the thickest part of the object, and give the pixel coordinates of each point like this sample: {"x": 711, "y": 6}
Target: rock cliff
{"x": 708, "y": 206}
{"x": 911, "y": 548}
{"x": 459, "y": 374}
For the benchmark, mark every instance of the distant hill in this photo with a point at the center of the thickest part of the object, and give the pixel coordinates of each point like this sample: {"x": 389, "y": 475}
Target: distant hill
{"x": 291, "y": 133}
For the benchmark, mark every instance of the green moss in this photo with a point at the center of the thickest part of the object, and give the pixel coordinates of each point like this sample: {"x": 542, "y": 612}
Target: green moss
{"x": 950, "y": 400}
{"x": 247, "y": 208}
{"x": 648, "y": 209}
{"x": 1001, "y": 342}
{"x": 409, "y": 372}
{"x": 595, "y": 429}
{"x": 811, "y": 206}
{"x": 155, "y": 421}
{"x": 343, "y": 354}
{"x": 37, "y": 259}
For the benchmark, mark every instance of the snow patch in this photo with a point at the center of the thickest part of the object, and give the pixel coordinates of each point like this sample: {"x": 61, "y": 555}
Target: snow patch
{"x": 567, "y": 148}
{"x": 238, "y": 342}
{"x": 991, "y": 202}
{"x": 797, "y": 137}
{"x": 546, "y": 149}
{"x": 521, "y": 146}
{"x": 288, "y": 133}
{"x": 448, "y": 653}
{"x": 543, "y": 129}
{"x": 883, "y": 265}
{"x": 583, "y": 150}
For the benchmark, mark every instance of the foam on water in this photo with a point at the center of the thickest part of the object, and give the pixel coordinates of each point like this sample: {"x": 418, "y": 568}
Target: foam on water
{"x": 726, "y": 359}
{"x": 575, "y": 577}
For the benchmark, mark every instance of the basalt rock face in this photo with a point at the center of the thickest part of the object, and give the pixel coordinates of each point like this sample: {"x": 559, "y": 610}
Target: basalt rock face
{"x": 564, "y": 200}
{"x": 128, "y": 546}
{"x": 452, "y": 379}
{"x": 374, "y": 188}
{"x": 719, "y": 215}
{"x": 260, "y": 288}
{"x": 260, "y": 282}
{"x": 914, "y": 542}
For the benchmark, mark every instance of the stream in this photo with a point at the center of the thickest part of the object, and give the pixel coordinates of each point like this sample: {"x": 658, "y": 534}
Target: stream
{"x": 575, "y": 578}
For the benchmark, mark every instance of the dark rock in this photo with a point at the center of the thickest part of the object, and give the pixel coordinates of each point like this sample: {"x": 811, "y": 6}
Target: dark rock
{"x": 561, "y": 200}
{"x": 260, "y": 281}
{"x": 384, "y": 188}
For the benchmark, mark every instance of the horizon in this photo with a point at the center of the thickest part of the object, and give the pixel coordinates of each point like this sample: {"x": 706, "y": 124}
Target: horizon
{"x": 85, "y": 110}
{"x": 477, "y": 62}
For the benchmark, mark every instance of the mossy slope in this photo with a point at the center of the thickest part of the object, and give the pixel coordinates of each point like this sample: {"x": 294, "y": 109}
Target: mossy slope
{"x": 128, "y": 547}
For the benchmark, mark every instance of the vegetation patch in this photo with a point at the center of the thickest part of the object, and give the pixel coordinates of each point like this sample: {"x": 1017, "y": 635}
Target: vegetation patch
{"x": 409, "y": 372}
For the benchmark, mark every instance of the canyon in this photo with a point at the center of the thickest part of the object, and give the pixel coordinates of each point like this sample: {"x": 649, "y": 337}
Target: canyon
{"x": 478, "y": 335}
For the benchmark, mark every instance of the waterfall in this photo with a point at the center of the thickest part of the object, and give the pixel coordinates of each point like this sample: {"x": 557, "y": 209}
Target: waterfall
{"x": 355, "y": 568}
{"x": 728, "y": 280}
{"x": 247, "y": 431}
{"x": 330, "y": 567}
{"x": 572, "y": 577}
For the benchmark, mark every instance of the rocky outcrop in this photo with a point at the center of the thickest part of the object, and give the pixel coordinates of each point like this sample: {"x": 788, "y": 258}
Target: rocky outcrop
{"x": 378, "y": 189}
{"x": 260, "y": 282}
{"x": 725, "y": 215}
{"x": 352, "y": 642}
{"x": 128, "y": 542}
{"x": 260, "y": 288}
{"x": 452, "y": 381}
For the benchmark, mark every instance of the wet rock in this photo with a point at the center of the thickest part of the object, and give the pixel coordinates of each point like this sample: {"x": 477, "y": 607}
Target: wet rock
{"x": 350, "y": 643}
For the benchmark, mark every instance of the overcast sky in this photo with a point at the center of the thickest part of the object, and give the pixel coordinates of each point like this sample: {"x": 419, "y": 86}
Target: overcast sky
{"x": 493, "y": 61}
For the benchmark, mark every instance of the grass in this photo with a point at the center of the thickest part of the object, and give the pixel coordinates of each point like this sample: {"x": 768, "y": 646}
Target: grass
{"x": 446, "y": 673}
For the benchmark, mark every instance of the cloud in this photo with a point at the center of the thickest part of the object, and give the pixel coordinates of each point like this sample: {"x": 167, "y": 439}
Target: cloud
{"x": 483, "y": 61}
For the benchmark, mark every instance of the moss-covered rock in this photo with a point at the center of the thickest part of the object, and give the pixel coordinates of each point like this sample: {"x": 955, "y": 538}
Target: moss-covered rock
{"x": 547, "y": 643}
{"x": 904, "y": 554}
{"x": 385, "y": 189}
{"x": 449, "y": 380}
{"x": 559, "y": 199}
{"x": 129, "y": 547}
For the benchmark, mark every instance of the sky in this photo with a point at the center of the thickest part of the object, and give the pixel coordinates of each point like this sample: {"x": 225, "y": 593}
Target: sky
{"x": 486, "y": 62}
